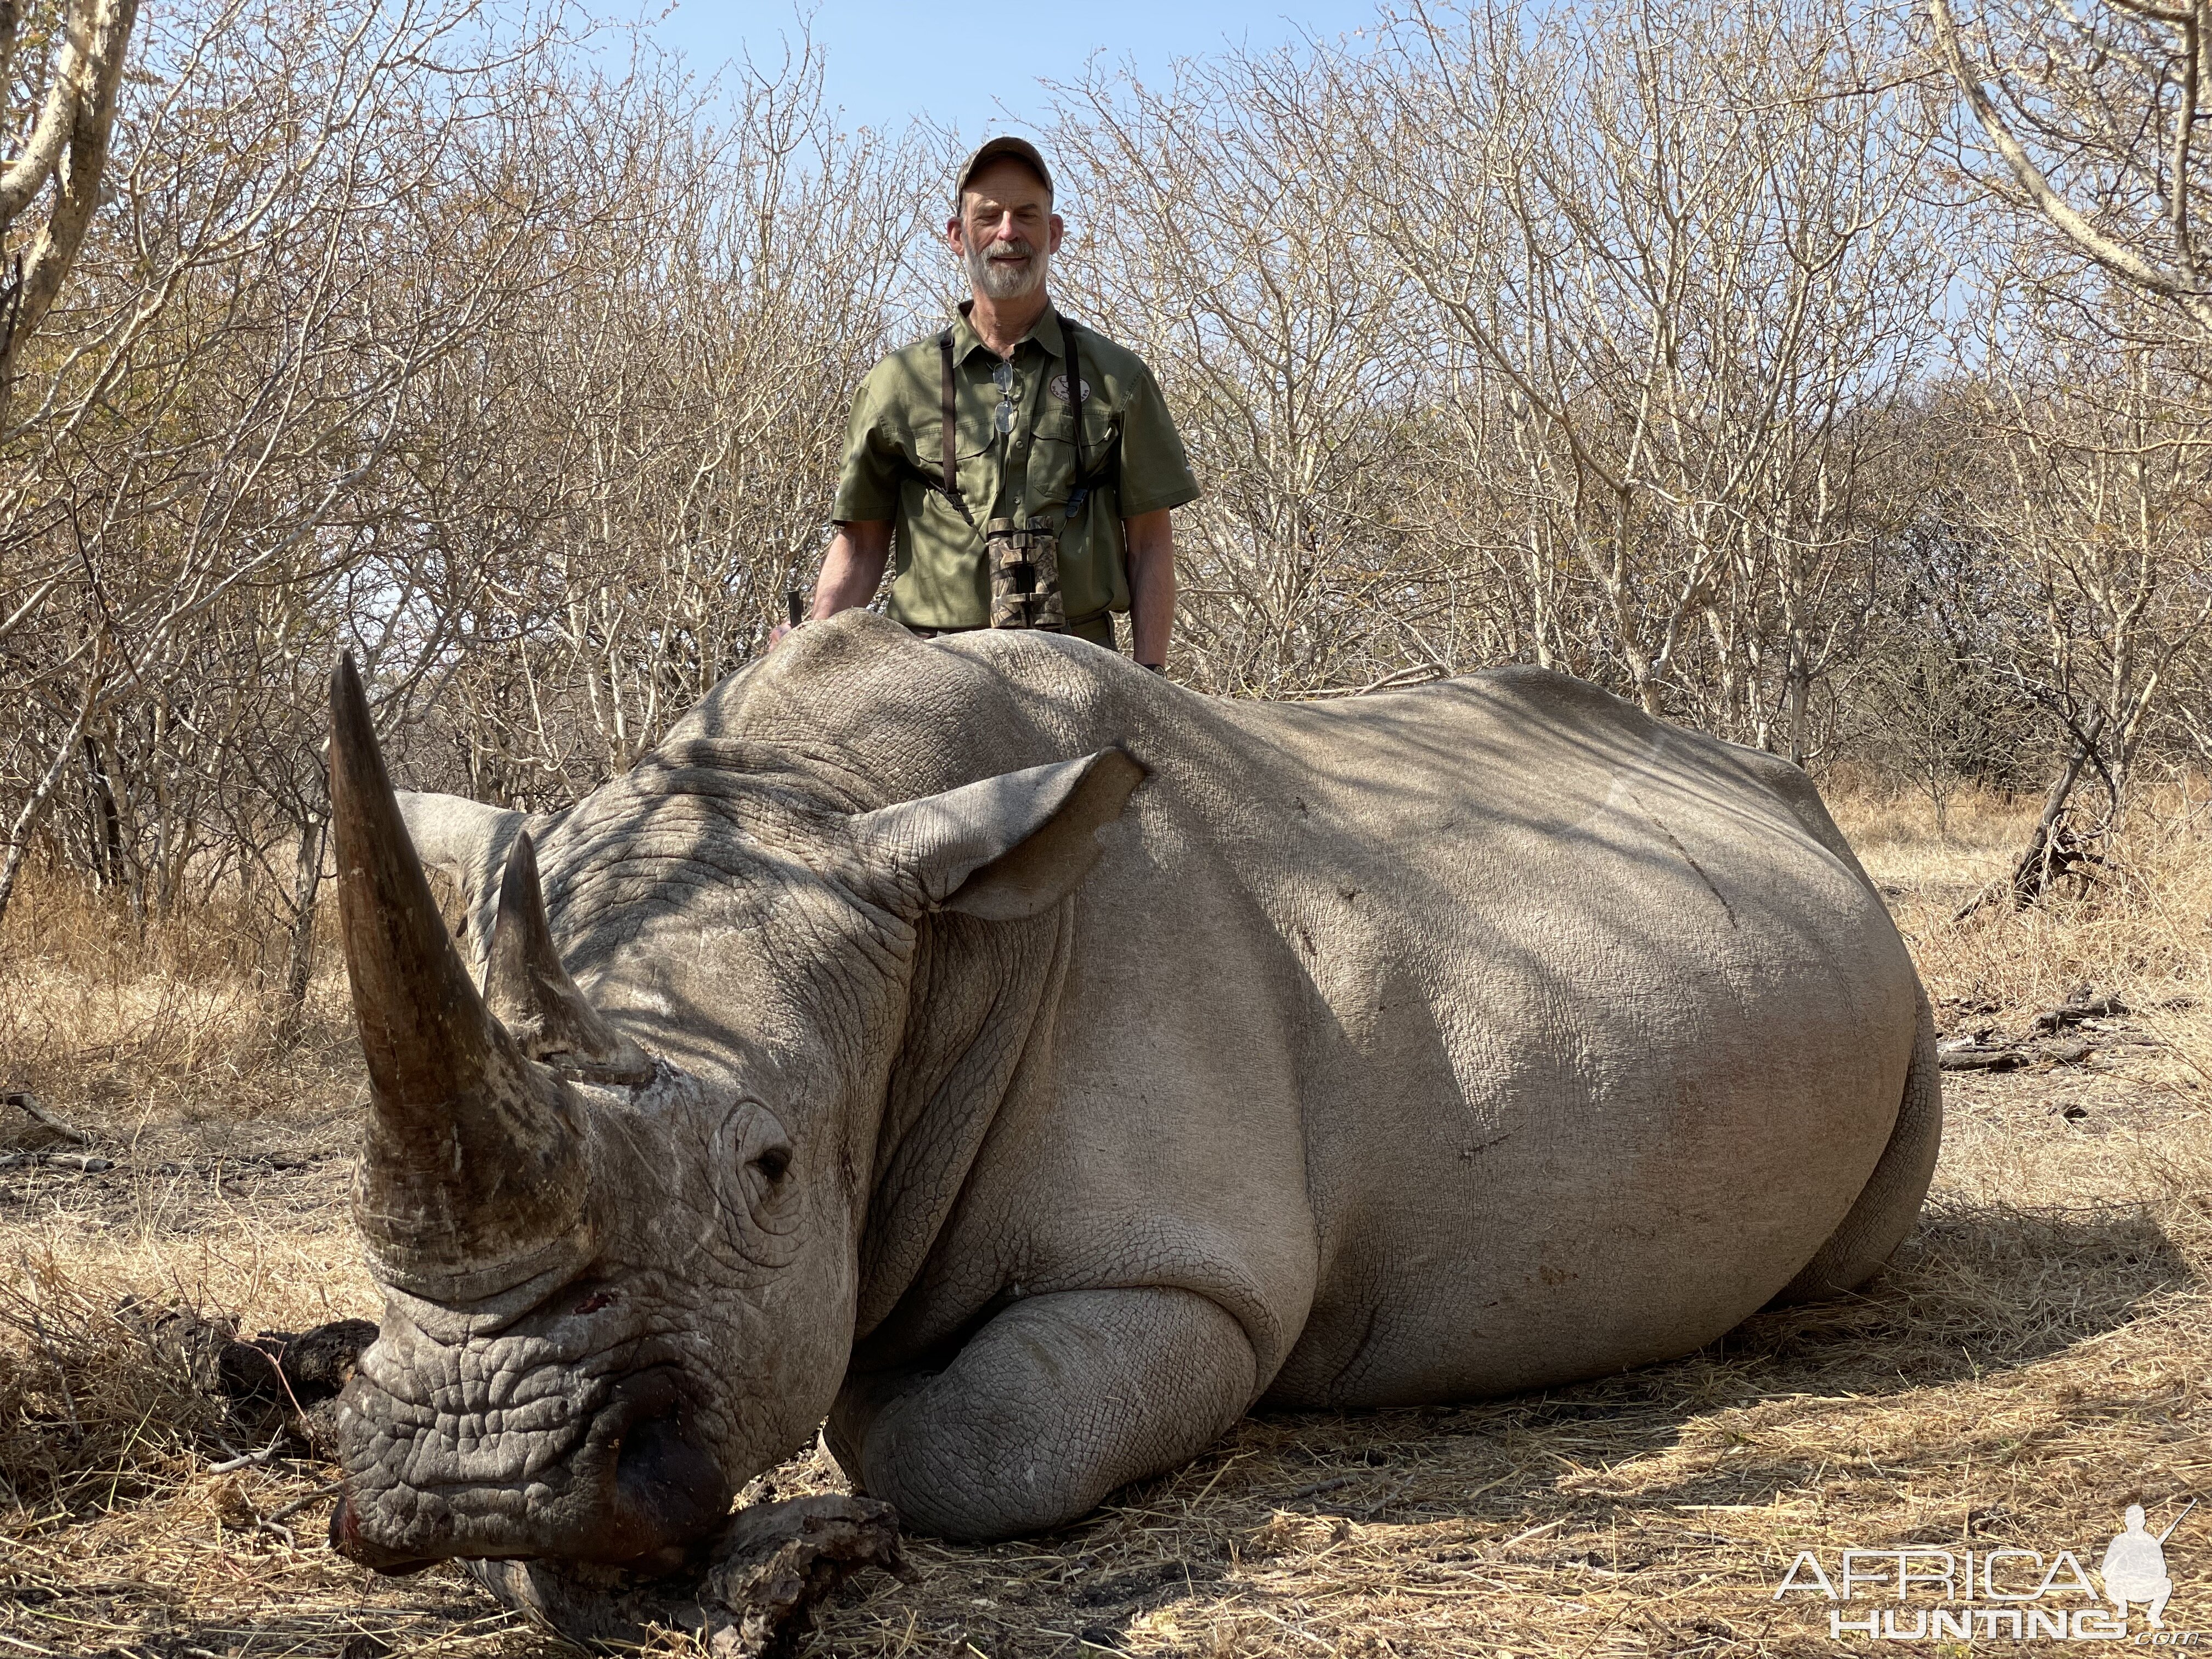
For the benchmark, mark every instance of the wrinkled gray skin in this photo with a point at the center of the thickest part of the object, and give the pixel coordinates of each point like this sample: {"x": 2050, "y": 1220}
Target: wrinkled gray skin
{"x": 1408, "y": 1048}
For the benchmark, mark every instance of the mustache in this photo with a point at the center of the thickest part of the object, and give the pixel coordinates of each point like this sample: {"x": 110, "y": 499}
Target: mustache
{"x": 1016, "y": 250}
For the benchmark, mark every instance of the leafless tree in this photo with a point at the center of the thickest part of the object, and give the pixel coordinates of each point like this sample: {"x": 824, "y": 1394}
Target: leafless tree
{"x": 72, "y": 84}
{"x": 2089, "y": 117}
{"x": 1619, "y": 343}
{"x": 314, "y": 208}
{"x": 2099, "y": 517}
{"x": 1684, "y": 242}
{"x": 2084, "y": 121}
{"x": 675, "y": 414}
{"x": 1206, "y": 237}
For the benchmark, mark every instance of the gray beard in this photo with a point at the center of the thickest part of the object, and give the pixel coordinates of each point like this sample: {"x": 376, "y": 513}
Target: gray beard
{"x": 997, "y": 282}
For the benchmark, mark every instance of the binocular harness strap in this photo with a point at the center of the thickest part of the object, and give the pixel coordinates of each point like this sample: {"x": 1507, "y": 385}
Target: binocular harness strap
{"x": 1022, "y": 556}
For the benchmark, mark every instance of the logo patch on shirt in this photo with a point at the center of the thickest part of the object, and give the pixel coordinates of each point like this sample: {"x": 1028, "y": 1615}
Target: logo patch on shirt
{"x": 1059, "y": 388}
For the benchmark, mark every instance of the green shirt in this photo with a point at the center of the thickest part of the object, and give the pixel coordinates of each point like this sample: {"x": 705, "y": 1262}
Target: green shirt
{"x": 893, "y": 458}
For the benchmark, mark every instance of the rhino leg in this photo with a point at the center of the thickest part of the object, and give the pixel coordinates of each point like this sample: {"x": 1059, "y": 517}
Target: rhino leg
{"x": 1052, "y": 1404}
{"x": 1890, "y": 1202}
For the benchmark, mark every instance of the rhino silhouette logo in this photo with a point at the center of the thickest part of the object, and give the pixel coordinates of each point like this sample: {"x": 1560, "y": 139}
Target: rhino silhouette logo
{"x": 2135, "y": 1567}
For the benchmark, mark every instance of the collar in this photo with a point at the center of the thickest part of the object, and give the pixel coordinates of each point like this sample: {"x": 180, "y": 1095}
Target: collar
{"x": 1044, "y": 332}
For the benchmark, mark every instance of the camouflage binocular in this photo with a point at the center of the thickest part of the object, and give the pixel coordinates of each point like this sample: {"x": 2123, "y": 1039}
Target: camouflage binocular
{"x": 1022, "y": 556}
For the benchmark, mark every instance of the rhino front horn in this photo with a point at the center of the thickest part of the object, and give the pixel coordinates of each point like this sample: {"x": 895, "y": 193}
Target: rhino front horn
{"x": 474, "y": 1177}
{"x": 532, "y": 995}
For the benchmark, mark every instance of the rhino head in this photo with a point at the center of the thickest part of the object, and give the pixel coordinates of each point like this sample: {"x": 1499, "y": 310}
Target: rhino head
{"x": 616, "y": 1287}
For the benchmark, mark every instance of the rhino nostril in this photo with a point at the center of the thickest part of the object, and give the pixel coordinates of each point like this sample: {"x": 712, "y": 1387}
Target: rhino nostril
{"x": 667, "y": 1491}
{"x": 346, "y": 1539}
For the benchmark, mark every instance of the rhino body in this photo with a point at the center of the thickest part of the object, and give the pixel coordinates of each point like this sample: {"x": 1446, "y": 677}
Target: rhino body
{"x": 1384, "y": 1051}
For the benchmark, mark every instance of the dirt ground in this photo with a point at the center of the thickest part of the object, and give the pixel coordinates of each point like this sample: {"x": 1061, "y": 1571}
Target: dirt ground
{"x": 2034, "y": 1359}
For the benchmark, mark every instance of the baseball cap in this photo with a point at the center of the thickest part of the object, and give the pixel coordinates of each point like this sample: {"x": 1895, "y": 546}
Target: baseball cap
{"x": 991, "y": 149}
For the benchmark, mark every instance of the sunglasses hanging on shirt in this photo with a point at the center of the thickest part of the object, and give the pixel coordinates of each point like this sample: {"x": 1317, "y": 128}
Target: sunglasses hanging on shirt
{"x": 1009, "y": 394}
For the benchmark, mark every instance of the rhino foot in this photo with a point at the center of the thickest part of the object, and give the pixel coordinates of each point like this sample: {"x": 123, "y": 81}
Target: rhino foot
{"x": 1057, "y": 1400}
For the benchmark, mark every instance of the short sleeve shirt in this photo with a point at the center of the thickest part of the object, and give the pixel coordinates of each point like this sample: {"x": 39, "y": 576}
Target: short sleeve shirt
{"x": 1132, "y": 459}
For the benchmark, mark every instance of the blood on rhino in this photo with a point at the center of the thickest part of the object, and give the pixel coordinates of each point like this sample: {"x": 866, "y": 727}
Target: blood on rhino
{"x": 1030, "y": 1066}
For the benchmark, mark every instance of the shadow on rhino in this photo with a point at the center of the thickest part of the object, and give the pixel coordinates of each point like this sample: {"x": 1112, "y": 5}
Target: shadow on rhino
{"x": 1030, "y": 1067}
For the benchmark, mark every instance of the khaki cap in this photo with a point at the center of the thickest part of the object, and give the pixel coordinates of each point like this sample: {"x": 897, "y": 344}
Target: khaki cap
{"x": 992, "y": 149}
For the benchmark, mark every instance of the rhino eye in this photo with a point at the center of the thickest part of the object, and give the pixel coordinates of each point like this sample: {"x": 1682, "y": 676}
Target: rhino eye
{"x": 773, "y": 1161}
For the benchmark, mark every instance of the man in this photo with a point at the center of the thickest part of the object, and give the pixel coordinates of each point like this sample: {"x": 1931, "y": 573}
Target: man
{"x": 1063, "y": 463}
{"x": 2134, "y": 1568}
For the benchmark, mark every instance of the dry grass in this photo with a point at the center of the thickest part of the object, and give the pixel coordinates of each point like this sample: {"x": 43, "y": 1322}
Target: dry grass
{"x": 2032, "y": 1361}
{"x": 2145, "y": 932}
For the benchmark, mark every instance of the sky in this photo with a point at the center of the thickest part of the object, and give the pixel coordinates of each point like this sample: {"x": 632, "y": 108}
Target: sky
{"x": 978, "y": 68}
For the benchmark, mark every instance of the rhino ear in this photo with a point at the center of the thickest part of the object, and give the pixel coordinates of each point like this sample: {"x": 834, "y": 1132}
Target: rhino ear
{"x": 467, "y": 842}
{"x": 1008, "y": 847}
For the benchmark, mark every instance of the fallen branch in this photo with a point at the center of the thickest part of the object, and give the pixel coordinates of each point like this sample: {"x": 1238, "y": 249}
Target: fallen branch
{"x": 1978, "y": 1057}
{"x": 76, "y": 1161}
{"x": 2053, "y": 849}
{"x": 2050, "y": 1020}
{"x": 216, "y": 1162}
{"x": 298, "y": 1504}
{"x": 245, "y": 1459}
{"x": 29, "y": 1104}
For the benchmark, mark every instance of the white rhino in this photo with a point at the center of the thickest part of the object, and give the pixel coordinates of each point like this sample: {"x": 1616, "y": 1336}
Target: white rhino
{"x": 1032, "y": 1066}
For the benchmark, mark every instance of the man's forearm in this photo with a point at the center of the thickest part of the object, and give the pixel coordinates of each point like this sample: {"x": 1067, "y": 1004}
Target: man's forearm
{"x": 1151, "y": 541}
{"x": 852, "y": 568}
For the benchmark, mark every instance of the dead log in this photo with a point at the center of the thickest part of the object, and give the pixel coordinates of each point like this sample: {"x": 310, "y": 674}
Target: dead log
{"x": 76, "y": 1161}
{"x": 2078, "y": 1008}
{"x": 28, "y": 1103}
{"x": 1978, "y": 1057}
{"x": 279, "y": 1383}
{"x": 750, "y": 1592}
{"x": 297, "y": 1376}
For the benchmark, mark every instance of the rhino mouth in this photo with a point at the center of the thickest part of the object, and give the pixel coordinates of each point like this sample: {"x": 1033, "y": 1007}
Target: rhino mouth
{"x": 641, "y": 1489}
{"x": 667, "y": 1491}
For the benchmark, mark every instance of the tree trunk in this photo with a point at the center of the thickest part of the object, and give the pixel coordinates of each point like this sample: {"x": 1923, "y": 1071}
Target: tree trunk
{"x": 1801, "y": 703}
{"x": 2050, "y": 851}
{"x": 106, "y": 821}
{"x": 306, "y": 885}
{"x": 67, "y": 145}
{"x": 27, "y": 820}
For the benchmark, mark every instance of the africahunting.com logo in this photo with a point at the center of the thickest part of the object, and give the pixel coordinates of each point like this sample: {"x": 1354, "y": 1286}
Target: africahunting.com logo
{"x": 2013, "y": 1593}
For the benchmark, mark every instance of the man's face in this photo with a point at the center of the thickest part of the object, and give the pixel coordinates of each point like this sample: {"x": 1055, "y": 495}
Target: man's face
{"x": 1006, "y": 231}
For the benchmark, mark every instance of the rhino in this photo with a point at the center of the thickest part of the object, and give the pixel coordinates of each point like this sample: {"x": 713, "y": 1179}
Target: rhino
{"x": 1029, "y": 1066}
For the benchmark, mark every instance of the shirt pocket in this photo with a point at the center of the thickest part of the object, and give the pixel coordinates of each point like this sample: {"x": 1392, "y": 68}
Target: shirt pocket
{"x": 978, "y": 462}
{"x": 1053, "y": 461}
{"x": 1051, "y": 472}
{"x": 974, "y": 438}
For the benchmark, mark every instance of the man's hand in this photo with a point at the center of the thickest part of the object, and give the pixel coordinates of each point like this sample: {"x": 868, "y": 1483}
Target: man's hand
{"x": 851, "y": 571}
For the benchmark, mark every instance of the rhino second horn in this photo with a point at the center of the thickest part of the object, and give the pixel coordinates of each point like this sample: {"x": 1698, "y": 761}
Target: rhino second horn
{"x": 530, "y": 993}
{"x": 474, "y": 1165}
